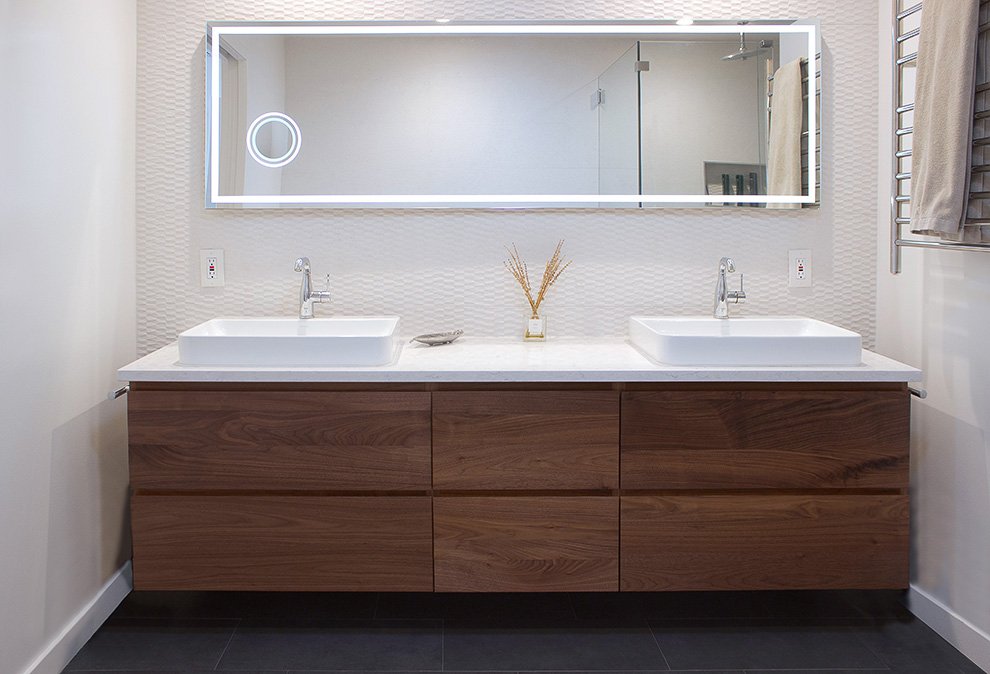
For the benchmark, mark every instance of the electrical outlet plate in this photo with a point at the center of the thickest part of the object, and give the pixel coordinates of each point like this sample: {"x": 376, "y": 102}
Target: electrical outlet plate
{"x": 799, "y": 268}
{"x": 211, "y": 268}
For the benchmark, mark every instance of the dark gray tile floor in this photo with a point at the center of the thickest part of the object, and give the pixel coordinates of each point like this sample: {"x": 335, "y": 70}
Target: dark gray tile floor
{"x": 714, "y": 632}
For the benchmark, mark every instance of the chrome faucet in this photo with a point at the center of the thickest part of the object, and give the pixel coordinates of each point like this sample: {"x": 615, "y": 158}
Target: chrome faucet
{"x": 722, "y": 297}
{"x": 306, "y": 293}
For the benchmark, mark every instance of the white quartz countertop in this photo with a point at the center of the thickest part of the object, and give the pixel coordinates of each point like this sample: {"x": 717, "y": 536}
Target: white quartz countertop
{"x": 473, "y": 359}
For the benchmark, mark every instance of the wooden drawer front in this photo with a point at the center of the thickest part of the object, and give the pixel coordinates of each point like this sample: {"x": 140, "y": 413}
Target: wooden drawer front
{"x": 765, "y": 439}
{"x": 525, "y": 440}
{"x": 280, "y": 440}
{"x": 526, "y": 544}
{"x": 764, "y": 542}
{"x": 260, "y": 542}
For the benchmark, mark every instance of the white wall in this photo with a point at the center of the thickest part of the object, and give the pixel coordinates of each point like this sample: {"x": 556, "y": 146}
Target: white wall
{"x": 264, "y": 59}
{"x": 67, "y": 307}
{"x": 442, "y": 269}
{"x": 935, "y": 315}
{"x": 455, "y": 115}
{"x": 698, "y": 108}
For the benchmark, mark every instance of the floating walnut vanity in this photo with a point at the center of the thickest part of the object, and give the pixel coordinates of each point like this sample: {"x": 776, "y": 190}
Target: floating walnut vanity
{"x": 502, "y": 466}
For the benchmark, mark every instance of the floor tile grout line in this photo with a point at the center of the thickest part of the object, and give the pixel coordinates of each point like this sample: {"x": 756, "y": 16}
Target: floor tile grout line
{"x": 387, "y": 620}
{"x": 227, "y": 645}
{"x": 824, "y": 670}
{"x": 657, "y": 642}
{"x": 827, "y": 670}
{"x": 570, "y": 601}
{"x": 171, "y": 618}
{"x": 879, "y": 658}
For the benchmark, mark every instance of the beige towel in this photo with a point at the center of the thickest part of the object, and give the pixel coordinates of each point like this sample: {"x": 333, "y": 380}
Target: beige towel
{"x": 943, "y": 119}
{"x": 786, "y": 124}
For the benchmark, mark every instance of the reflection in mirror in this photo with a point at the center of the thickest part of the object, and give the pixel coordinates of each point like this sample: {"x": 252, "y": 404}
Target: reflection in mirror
{"x": 703, "y": 121}
{"x": 508, "y": 115}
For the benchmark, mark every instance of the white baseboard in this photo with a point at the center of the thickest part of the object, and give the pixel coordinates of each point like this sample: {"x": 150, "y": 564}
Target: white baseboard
{"x": 969, "y": 639}
{"x": 64, "y": 646}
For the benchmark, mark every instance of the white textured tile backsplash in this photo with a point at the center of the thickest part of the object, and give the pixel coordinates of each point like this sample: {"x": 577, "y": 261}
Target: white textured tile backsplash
{"x": 442, "y": 269}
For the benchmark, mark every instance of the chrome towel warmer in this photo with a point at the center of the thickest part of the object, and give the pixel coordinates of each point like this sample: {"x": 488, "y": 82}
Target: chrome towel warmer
{"x": 900, "y": 199}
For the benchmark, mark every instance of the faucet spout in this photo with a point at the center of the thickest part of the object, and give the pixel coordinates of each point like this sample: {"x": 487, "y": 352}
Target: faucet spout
{"x": 307, "y": 296}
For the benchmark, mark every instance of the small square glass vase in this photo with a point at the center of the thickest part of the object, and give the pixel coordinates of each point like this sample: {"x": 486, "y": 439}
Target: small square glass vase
{"x": 536, "y": 328}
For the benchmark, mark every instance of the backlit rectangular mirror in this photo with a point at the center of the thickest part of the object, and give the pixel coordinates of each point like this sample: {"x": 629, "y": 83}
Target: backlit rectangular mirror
{"x": 512, "y": 115}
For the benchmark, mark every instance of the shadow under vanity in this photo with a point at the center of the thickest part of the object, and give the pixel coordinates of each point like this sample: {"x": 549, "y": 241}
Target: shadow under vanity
{"x": 648, "y": 477}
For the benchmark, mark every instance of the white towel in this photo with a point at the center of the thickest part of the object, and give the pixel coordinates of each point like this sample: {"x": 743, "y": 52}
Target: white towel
{"x": 786, "y": 125}
{"x": 943, "y": 119}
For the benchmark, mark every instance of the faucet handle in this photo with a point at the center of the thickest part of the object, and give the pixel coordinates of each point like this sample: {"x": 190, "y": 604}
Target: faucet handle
{"x": 737, "y": 296}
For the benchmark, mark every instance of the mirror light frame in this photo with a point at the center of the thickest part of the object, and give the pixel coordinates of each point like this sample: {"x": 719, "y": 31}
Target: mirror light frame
{"x": 217, "y": 30}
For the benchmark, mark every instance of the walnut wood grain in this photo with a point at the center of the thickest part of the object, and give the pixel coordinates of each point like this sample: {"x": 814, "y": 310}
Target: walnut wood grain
{"x": 204, "y": 440}
{"x": 282, "y": 543}
{"x": 242, "y": 488}
{"x": 764, "y": 542}
{"x": 526, "y": 544}
{"x": 525, "y": 440}
{"x": 754, "y": 439}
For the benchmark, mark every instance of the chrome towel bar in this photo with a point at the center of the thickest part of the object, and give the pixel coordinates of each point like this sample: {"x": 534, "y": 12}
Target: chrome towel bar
{"x": 113, "y": 395}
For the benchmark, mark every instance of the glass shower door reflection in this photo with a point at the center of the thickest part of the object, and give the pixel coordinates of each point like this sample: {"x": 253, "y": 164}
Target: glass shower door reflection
{"x": 718, "y": 107}
{"x": 618, "y": 129}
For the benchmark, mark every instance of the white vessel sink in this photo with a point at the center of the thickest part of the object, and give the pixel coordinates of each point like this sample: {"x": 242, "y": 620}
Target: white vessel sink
{"x": 743, "y": 341}
{"x": 347, "y": 340}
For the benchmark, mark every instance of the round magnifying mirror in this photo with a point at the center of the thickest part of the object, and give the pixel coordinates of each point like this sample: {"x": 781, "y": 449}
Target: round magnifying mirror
{"x": 273, "y": 139}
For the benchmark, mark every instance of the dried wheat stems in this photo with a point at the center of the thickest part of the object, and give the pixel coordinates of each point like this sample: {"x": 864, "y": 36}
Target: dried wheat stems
{"x": 555, "y": 267}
